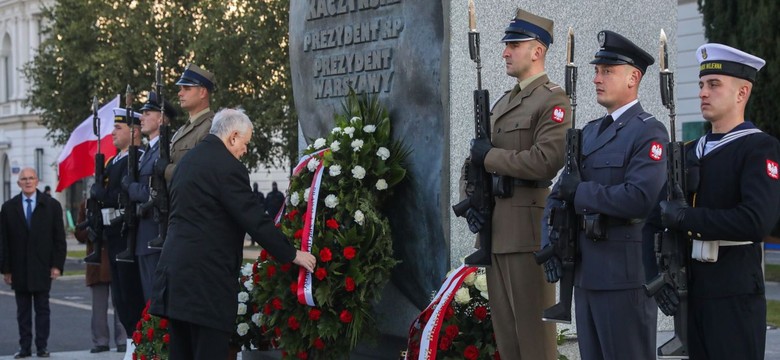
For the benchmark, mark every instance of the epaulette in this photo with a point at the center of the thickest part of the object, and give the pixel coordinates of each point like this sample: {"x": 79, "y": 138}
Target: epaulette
{"x": 648, "y": 118}
{"x": 552, "y": 86}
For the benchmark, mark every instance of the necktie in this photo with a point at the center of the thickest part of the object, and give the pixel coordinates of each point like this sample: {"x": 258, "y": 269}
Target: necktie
{"x": 515, "y": 91}
{"x": 605, "y": 123}
{"x": 29, "y": 211}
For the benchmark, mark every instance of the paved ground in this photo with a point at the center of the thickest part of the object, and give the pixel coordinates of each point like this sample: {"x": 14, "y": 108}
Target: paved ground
{"x": 71, "y": 340}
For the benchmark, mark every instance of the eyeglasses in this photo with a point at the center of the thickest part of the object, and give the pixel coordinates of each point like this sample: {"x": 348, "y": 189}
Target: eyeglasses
{"x": 28, "y": 179}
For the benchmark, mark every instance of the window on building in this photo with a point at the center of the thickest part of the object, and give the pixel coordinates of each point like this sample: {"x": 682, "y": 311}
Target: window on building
{"x": 39, "y": 163}
{"x": 6, "y": 178}
{"x": 6, "y": 61}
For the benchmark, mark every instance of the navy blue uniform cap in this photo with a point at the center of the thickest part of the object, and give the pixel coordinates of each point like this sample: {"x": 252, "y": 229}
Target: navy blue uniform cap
{"x": 617, "y": 50}
{"x": 153, "y": 103}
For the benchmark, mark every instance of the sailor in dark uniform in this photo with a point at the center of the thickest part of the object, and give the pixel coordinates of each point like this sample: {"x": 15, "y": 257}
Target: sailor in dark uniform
{"x": 733, "y": 206}
{"x": 614, "y": 187}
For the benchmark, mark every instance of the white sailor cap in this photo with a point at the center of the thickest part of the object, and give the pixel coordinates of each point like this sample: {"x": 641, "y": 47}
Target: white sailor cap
{"x": 721, "y": 59}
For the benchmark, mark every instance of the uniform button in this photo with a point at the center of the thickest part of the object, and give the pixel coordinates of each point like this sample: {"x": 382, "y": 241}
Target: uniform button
{"x": 533, "y": 202}
{"x": 690, "y": 233}
{"x": 698, "y": 235}
{"x": 517, "y": 125}
{"x": 499, "y": 130}
{"x": 607, "y": 162}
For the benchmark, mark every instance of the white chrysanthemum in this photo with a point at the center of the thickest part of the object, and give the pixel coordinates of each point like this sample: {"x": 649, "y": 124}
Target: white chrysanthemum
{"x": 336, "y": 130}
{"x": 249, "y": 285}
{"x": 242, "y": 329}
{"x": 484, "y": 295}
{"x": 306, "y": 194}
{"x": 335, "y": 146}
{"x": 358, "y": 172}
{"x": 246, "y": 270}
{"x": 312, "y": 165}
{"x": 381, "y": 184}
{"x": 243, "y": 297}
{"x": 349, "y": 130}
{"x": 359, "y": 217}
{"x": 241, "y": 309}
{"x": 331, "y": 201}
{"x": 354, "y": 119}
{"x": 334, "y": 170}
{"x": 357, "y": 144}
{"x": 369, "y": 128}
{"x": 481, "y": 283}
{"x": 462, "y": 296}
{"x": 295, "y": 199}
{"x": 383, "y": 153}
{"x": 319, "y": 143}
{"x": 256, "y": 318}
{"x": 470, "y": 278}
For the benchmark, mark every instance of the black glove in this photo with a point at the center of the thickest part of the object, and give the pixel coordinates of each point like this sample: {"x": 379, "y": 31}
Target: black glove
{"x": 667, "y": 300}
{"x": 126, "y": 181}
{"x": 567, "y": 186}
{"x": 475, "y": 220}
{"x": 159, "y": 167}
{"x": 673, "y": 211}
{"x": 553, "y": 269}
{"x": 479, "y": 149}
{"x": 97, "y": 191}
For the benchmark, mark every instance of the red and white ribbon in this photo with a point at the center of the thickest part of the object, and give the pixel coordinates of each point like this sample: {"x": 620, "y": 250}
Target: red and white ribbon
{"x": 302, "y": 163}
{"x": 307, "y": 239}
{"x": 438, "y": 306}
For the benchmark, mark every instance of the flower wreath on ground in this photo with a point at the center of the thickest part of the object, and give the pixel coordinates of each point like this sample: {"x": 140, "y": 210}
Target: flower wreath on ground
{"x": 332, "y": 210}
{"x": 457, "y": 324}
{"x": 248, "y": 335}
{"x": 151, "y": 337}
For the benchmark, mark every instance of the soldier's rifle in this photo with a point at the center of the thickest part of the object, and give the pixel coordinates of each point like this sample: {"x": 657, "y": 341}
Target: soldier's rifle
{"x": 478, "y": 180}
{"x": 563, "y": 220}
{"x": 94, "y": 216}
{"x": 671, "y": 246}
{"x": 158, "y": 185}
{"x": 130, "y": 226}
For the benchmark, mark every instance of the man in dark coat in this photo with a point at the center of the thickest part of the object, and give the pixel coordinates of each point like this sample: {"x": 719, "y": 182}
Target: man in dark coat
{"x": 273, "y": 200}
{"x": 33, "y": 238}
{"x": 212, "y": 207}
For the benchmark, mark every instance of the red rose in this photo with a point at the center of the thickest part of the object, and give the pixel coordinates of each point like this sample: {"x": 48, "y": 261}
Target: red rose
{"x": 496, "y": 356}
{"x": 256, "y": 279}
{"x": 285, "y": 267}
{"x": 319, "y": 344}
{"x": 291, "y": 215}
{"x": 314, "y": 314}
{"x": 163, "y": 323}
{"x": 276, "y": 303}
{"x": 349, "y": 252}
{"x": 298, "y": 234}
{"x": 147, "y": 317}
{"x": 326, "y": 255}
{"x": 450, "y": 312}
{"x": 294, "y": 287}
{"x": 471, "y": 353}
{"x": 277, "y": 332}
{"x": 345, "y": 316}
{"x": 267, "y": 309}
{"x": 263, "y": 257}
{"x": 143, "y": 357}
{"x": 270, "y": 271}
{"x": 166, "y": 338}
{"x": 137, "y": 336}
{"x": 445, "y": 343}
{"x": 302, "y": 355}
{"x": 150, "y": 334}
{"x": 138, "y": 325}
{"x": 135, "y": 357}
{"x": 349, "y": 284}
{"x": 452, "y": 331}
{"x": 332, "y": 223}
{"x": 292, "y": 323}
{"x": 480, "y": 312}
{"x": 320, "y": 273}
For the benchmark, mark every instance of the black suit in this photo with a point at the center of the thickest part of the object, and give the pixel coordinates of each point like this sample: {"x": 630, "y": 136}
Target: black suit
{"x": 212, "y": 207}
{"x": 29, "y": 254}
{"x": 126, "y": 291}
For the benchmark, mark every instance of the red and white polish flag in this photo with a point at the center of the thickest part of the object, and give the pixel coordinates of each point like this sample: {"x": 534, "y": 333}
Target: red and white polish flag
{"x": 77, "y": 159}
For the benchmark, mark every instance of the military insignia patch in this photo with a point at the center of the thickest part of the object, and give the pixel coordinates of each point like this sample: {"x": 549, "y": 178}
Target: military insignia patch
{"x": 557, "y": 114}
{"x": 656, "y": 151}
{"x": 771, "y": 169}
{"x": 704, "y": 54}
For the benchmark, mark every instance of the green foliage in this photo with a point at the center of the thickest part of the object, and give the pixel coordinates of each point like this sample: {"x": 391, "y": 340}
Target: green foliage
{"x": 97, "y": 47}
{"x": 750, "y": 25}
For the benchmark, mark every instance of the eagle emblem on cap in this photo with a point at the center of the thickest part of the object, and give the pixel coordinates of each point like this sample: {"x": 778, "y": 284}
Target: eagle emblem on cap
{"x": 602, "y": 38}
{"x": 704, "y": 53}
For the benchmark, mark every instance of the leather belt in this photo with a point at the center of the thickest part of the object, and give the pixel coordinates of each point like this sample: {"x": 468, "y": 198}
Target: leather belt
{"x": 531, "y": 183}
{"x": 613, "y": 221}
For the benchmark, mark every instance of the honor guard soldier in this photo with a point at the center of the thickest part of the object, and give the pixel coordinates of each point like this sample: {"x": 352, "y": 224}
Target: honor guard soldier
{"x": 151, "y": 120}
{"x": 126, "y": 291}
{"x": 613, "y": 188}
{"x": 195, "y": 88}
{"x": 524, "y": 153}
{"x": 734, "y": 192}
